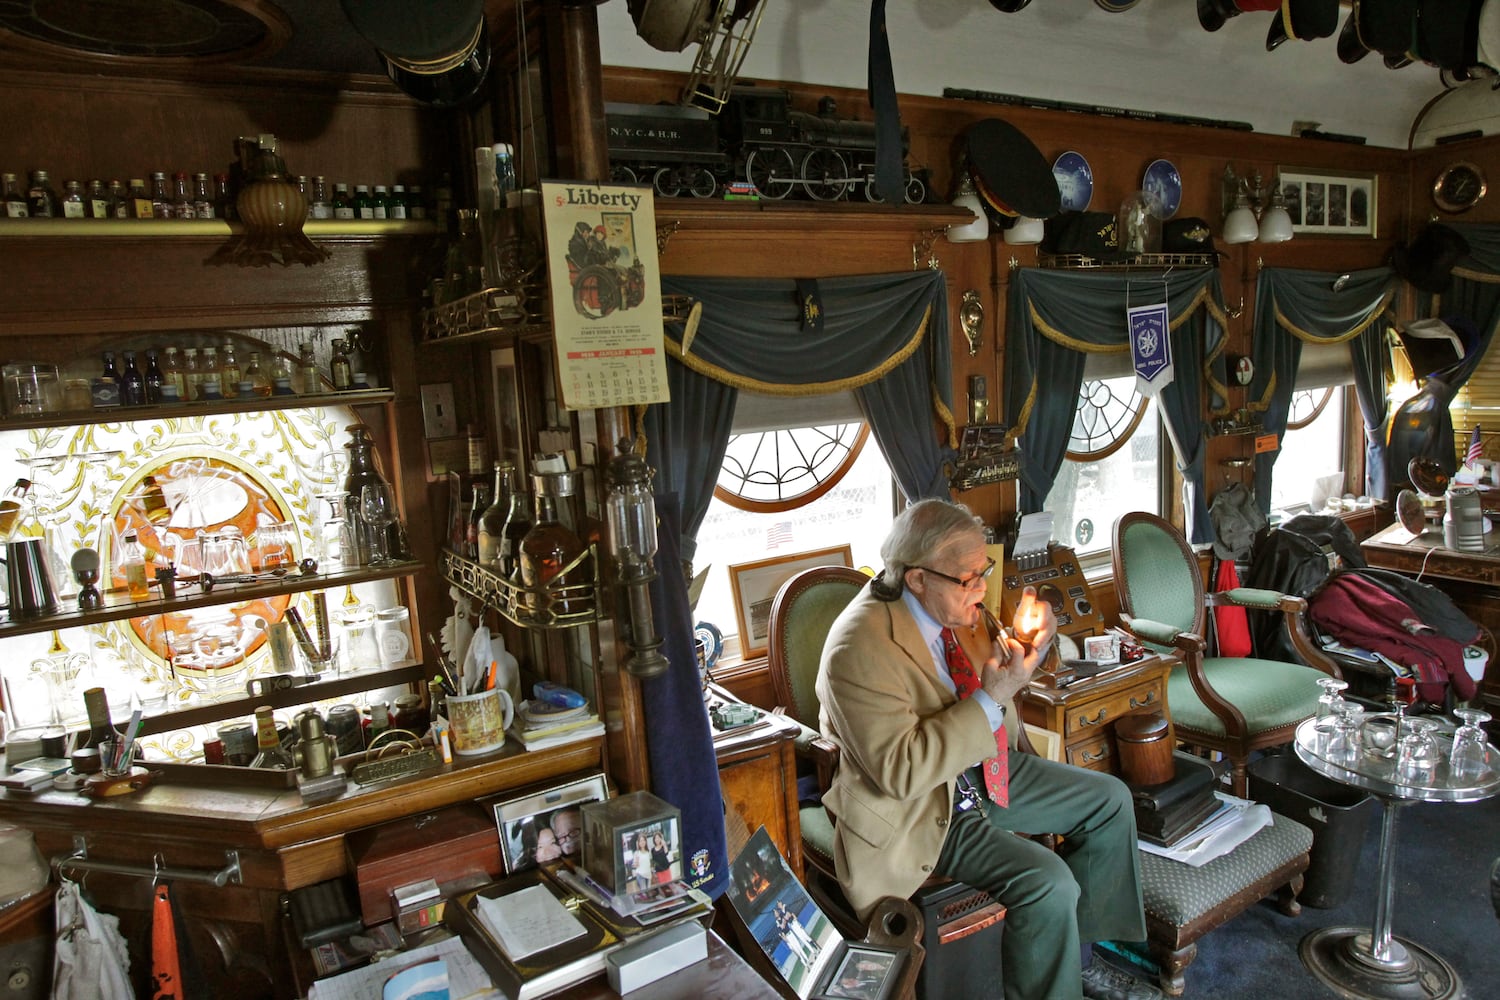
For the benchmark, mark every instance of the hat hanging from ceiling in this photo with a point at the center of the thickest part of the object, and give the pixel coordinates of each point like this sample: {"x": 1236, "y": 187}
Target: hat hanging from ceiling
{"x": 1487, "y": 36}
{"x": 1252, "y": 5}
{"x": 1009, "y": 6}
{"x": 1386, "y": 26}
{"x": 1213, "y": 13}
{"x": 1447, "y": 31}
{"x": 1303, "y": 20}
{"x": 1427, "y": 263}
{"x": 1010, "y": 173}
{"x": 1434, "y": 345}
{"x": 1351, "y": 47}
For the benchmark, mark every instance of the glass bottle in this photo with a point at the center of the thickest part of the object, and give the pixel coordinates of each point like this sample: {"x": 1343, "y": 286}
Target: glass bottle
{"x": 258, "y": 379}
{"x": 268, "y": 750}
{"x": 416, "y": 207}
{"x": 132, "y": 383}
{"x": 182, "y": 197}
{"x": 109, "y": 370}
{"x": 153, "y": 377}
{"x": 343, "y": 205}
{"x": 203, "y": 198}
{"x": 308, "y": 382}
{"x": 161, "y": 198}
{"x": 397, "y": 209}
{"x": 15, "y": 201}
{"x": 139, "y": 200}
{"x": 133, "y": 566}
{"x": 192, "y": 375}
{"x": 119, "y": 204}
{"x": 153, "y": 501}
{"x": 73, "y": 206}
{"x": 342, "y": 370}
{"x": 98, "y": 203}
{"x": 281, "y": 376}
{"x": 377, "y": 722}
{"x": 174, "y": 373}
{"x": 229, "y": 371}
{"x": 380, "y": 203}
{"x": 319, "y": 207}
{"x": 210, "y": 378}
{"x": 223, "y": 198}
{"x": 505, "y": 170}
{"x": 546, "y": 552}
{"x": 41, "y": 200}
{"x": 362, "y": 472}
{"x": 364, "y": 205}
{"x": 10, "y": 507}
{"x": 492, "y": 520}
{"x": 477, "y": 507}
{"x": 517, "y": 524}
{"x": 101, "y": 726}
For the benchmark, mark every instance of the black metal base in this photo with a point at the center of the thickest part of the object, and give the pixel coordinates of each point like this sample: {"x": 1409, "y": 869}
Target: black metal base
{"x": 1342, "y": 959}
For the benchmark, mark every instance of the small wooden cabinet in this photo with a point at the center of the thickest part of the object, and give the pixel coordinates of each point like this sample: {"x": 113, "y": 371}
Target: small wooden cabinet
{"x": 1085, "y": 712}
{"x": 758, "y": 776}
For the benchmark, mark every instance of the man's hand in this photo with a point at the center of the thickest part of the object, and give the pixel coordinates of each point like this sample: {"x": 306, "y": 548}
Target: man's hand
{"x": 1010, "y": 669}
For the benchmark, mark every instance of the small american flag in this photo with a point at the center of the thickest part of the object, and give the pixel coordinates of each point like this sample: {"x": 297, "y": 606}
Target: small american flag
{"x": 779, "y": 534}
{"x": 1476, "y": 450}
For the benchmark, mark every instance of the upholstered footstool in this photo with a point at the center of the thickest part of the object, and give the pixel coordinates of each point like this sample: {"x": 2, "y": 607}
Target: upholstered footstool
{"x": 1183, "y": 903}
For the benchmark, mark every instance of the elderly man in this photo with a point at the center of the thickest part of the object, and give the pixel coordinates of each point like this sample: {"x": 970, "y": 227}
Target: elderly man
{"x": 922, "y": 705}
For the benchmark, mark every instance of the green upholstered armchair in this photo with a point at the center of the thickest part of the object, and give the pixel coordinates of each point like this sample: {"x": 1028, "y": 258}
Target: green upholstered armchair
{"x": 1229, "y": 704}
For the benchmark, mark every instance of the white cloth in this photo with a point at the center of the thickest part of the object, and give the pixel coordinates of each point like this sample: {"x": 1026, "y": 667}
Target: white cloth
{"x": 91, "y": 960}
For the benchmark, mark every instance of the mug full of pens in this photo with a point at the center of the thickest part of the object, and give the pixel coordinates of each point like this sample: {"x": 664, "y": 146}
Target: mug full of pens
{"x": 479, "y": 720}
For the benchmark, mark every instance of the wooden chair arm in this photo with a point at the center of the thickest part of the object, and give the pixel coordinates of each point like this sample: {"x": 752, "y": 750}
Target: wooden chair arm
{"x": 897, "y": 923}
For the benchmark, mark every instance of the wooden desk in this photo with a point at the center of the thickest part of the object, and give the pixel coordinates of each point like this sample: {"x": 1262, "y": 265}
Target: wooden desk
{"x": 758, "y": 777}
{"x": 1085, "y": 712}
{"x": 1471, "y": 579}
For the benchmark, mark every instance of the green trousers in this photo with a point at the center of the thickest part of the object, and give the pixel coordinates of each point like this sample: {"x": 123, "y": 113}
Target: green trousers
{"x": 1089, "y": 889}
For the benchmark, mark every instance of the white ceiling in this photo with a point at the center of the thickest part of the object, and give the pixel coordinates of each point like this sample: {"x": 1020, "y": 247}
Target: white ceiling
{"x": 1152, "y": 57}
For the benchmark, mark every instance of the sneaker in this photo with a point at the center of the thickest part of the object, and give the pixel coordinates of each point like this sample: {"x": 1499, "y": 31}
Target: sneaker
{"x": 1102, "y": 981}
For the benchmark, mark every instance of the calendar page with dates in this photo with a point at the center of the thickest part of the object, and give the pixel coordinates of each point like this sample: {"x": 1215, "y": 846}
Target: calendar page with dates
{"x": 606, "y": 294}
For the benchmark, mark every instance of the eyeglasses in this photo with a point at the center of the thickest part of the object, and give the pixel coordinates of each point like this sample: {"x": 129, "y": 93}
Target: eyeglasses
{"x": 968, "y": 582}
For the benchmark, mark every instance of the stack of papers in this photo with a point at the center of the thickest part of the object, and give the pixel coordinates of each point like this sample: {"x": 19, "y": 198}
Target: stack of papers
{"x": 539, "y": 725}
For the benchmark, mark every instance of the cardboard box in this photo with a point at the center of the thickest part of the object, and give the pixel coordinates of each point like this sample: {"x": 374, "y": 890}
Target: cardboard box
{"x": 443, "y": 846}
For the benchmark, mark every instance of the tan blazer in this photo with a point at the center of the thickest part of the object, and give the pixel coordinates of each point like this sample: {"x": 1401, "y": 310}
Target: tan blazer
{"x": 903, "y": 739}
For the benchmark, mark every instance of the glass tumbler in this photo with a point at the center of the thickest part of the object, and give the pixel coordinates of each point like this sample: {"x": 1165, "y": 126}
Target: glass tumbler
{"x": 1344, "y": 745}
{"x": 1470, "y": 755}
{"x": 1417, "y": 754}
{"x": 1329, "y": 702}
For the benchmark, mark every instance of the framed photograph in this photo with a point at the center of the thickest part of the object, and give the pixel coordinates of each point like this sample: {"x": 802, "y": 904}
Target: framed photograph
{"x": 864, "y": 972}
{"x": 796, "y": 936}
{"x": 755, "y": 585}
{"x": 1329, "y": 203}
{"x": 507, "y": 388}
{"x": 545, "y": 826}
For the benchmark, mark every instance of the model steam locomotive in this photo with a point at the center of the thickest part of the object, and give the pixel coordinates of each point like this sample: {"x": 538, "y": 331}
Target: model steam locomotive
{"x": 756, "y": 140}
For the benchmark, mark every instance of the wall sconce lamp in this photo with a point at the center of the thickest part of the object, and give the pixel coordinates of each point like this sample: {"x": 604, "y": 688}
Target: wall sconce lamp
{"x": 977, "y": 230}
{"x": 271, "y": 209}
{"x": 1253, "y": 212}
{"x": 632, "y": 529}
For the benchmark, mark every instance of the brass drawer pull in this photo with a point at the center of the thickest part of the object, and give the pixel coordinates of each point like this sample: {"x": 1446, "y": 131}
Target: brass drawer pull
{"x": 1090, "y": 758}
{"x": 1096, "y": 720}
{"x": 1150, "y": 699}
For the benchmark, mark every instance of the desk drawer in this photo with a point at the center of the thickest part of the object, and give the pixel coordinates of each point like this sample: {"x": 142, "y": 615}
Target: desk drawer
{"x": 1096, "y": 753}
{"x": 1092, "y": 716}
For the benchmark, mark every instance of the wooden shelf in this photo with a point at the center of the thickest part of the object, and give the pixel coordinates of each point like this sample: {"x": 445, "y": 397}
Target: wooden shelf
{"x": 256, "y": 404}
{"x": 117, "y": 605}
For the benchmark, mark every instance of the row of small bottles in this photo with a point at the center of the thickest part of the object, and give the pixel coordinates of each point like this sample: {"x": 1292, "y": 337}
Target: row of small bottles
{"x": 538, "y": 548}
{"x": 197, "y": 197}
{"x": 349, "y": 729}
{"x": 209, "y": 374}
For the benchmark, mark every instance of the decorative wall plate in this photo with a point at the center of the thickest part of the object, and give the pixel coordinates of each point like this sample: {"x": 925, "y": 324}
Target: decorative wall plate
{"x": 1163, "y": 186}
{"x": 1075, "y": 181}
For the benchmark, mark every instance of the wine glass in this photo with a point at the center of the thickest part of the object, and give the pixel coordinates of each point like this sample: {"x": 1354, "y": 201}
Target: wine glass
{"x": 1469, "y": 756}
{"x": 377, "y": 505}
{"x": 1329, "y": 702}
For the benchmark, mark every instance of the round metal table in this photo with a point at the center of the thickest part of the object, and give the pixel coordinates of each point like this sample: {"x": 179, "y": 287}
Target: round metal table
{"x": 1361, "y": 962}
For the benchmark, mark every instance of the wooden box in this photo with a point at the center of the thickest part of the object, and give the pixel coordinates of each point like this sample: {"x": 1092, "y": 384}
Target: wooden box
{"x": 444, "y": 846}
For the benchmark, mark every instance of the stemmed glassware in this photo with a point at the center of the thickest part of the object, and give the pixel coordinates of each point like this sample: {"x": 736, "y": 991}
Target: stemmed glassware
{"x": 1469, "y": 756}
{"x": 1329, "y": 702}
{"x": 377, "y": 505}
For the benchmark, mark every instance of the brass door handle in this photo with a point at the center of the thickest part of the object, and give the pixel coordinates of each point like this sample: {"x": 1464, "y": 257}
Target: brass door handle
{"x": 1103, "y": 712}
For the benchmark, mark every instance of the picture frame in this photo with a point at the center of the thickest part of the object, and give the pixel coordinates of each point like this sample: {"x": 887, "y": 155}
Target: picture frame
{"x": 1103, "y": 649}
{"x": 1329, "y": 202}
{"x": 864, "y": 972}
{"x": 755, "y": 585}
{"x": 520, "y": 822}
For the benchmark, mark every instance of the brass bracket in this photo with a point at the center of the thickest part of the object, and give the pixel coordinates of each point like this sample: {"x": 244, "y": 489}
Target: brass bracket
{"x": 664, "y": 232}
{"x": 923, "y": 248}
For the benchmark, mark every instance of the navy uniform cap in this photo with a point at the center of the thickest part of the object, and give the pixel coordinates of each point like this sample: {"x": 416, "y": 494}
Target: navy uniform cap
{"x": 1010, "y": 172}
{"x": 1387, "y": 26}
{"x": 1303, "y": 20}
{"x": 1213, "y": 13}
{"x": 1351, "y": 47}
{"x": 1009, "y": 6}
{"x": 1447, "y": 32}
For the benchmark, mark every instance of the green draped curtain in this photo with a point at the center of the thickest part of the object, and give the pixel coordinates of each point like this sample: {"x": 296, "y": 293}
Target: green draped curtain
{"x": 1293, "y": 307}
{"x": 883, "y": 336}
{"x": 1054, "y": 318}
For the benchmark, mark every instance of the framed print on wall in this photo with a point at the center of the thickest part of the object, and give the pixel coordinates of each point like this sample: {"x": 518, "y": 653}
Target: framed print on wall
{"x": 755, "y": 585}
{"x": 1327, "y": 203}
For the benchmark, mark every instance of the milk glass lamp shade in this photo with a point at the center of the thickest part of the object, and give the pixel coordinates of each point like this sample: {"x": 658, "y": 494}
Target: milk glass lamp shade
{"x": 1276, "y": 224}
{"x": 970, "y": 232}
{"x": 1025, "y": 231}
{"x": 1240, "y": 225}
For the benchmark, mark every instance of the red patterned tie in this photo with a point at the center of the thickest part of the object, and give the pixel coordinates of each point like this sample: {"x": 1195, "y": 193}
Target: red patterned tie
{"x": 996, "y": 768}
